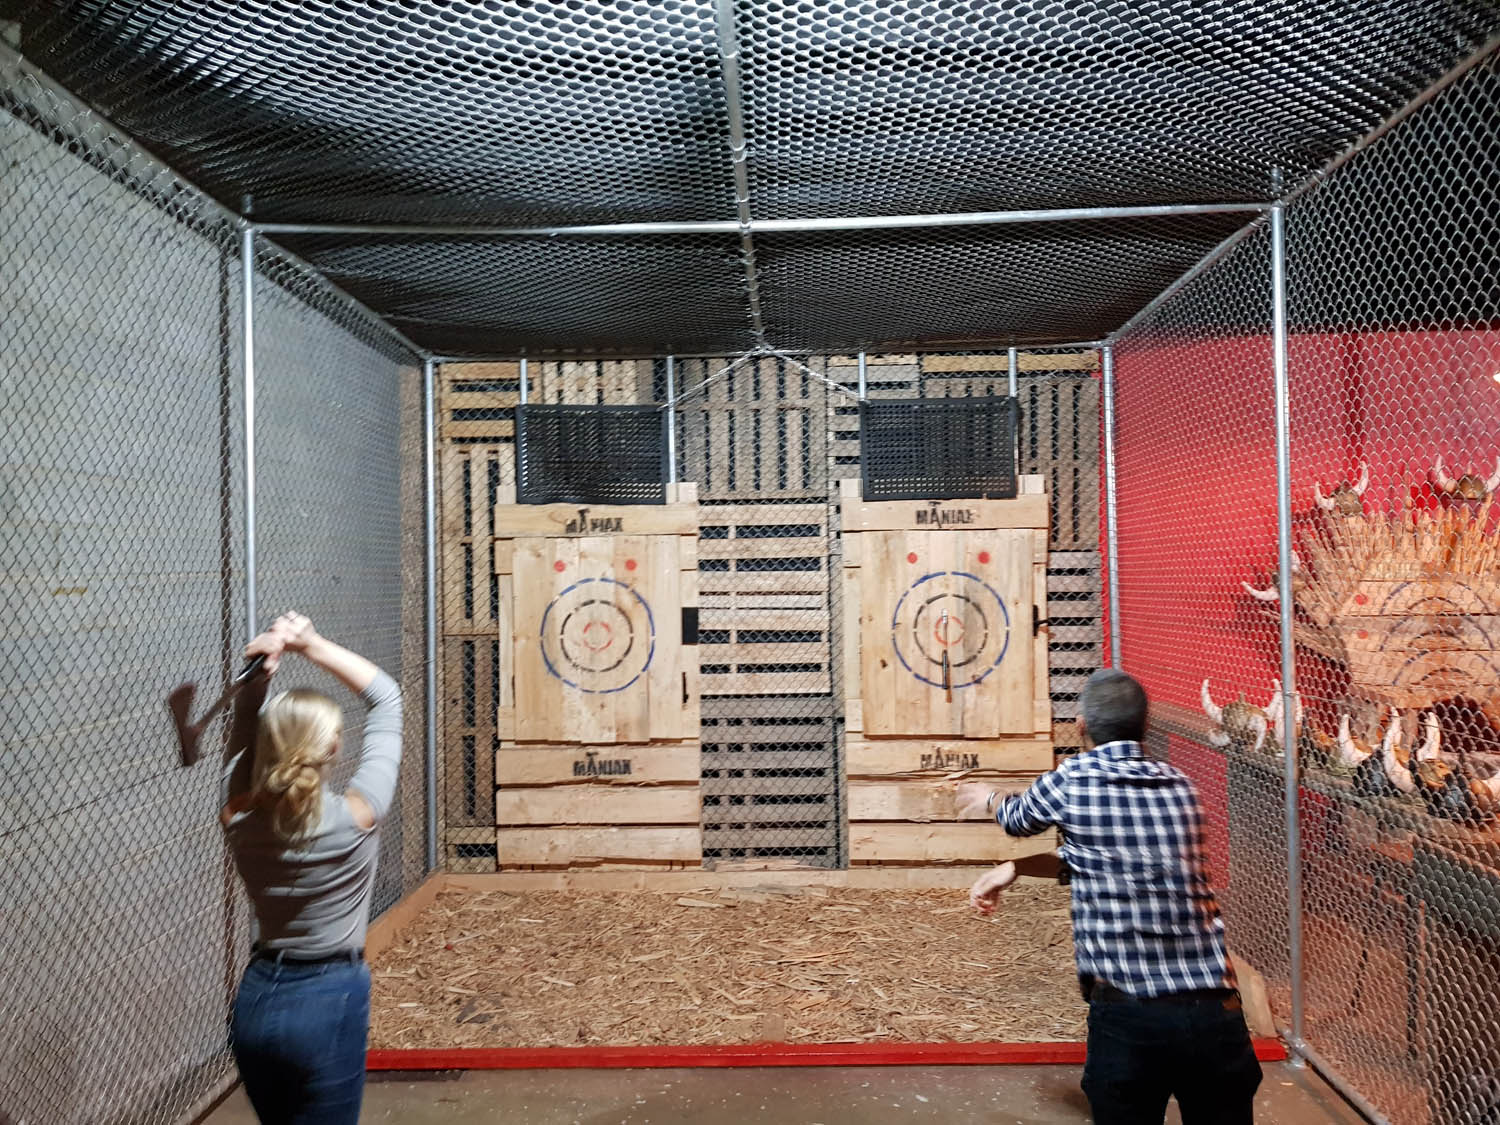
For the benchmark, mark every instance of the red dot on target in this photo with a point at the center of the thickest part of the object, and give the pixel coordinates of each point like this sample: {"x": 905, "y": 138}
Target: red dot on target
{"x": 559, "y": 566}
{"x": 1360, "y": 599}
{"x": 984, "y": 556}
{"x": 911, "y": 557}
{"x": 629, "y": 564}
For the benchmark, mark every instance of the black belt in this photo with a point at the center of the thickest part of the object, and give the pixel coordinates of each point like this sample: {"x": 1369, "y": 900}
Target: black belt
{"x": 281, "y": 957}
{"x": 1101, "y": 993}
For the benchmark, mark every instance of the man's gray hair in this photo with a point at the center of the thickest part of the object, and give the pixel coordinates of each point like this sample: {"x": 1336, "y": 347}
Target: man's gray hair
{"x": 1114, "y": 707}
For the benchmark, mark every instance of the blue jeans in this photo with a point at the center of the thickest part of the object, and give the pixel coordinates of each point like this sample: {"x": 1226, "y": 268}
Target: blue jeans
{"x": 299, "y": 1035}
{"x": 1198, "y": 1050}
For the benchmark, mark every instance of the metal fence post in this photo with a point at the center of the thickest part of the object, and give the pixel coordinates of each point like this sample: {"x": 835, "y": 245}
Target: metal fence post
{"x": 1012, "y": 370}
{"x": 1288, "y": 652}
{"x": 1112, "y": 526}
{"x": 524, "y": 381}
{"x": 863, "y": 374}
{"x": 429, "y": 441}
{"x": 671, "y": 420}
{"x": 247, "y": 340}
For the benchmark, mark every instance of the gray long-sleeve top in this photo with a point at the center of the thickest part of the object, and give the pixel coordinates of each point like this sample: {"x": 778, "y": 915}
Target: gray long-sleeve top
{"x": 313, "y": 900}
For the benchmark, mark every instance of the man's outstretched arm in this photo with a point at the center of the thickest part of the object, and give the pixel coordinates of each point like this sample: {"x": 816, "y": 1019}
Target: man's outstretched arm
{"x": 1029, "y": 813}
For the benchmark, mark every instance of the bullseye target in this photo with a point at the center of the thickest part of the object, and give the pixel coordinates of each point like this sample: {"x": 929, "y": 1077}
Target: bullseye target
{"x": 954, "y": 618}
{"x": 598, "y": 636}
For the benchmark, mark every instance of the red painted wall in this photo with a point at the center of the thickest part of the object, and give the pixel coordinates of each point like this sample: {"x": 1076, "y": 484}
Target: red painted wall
{"x": 1196, "y": 474}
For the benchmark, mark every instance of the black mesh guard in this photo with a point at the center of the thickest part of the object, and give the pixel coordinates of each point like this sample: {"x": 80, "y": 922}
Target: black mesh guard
{"x": 939, "y": 449}
{"x": 591, "y": 454}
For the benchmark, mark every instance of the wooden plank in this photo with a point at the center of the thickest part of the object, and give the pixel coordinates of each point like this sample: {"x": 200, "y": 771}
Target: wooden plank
{"x": 769, "y": 652}
{"x": 888, "y": 758}
{"x": 469, "y": 712}
{"x": 763, "y": 683}
{"x": 941, "y": 843}
{"x": 459, "y": 861}
{"x": 747, "y": 732}
{"x": 518, "y": 520}
{"x": 691, "y": 718}
{"x": 763, "y": 582}
{"x": 968, "y": 515}
{"x": 770, "y": 619}
{"x": 765, "y": 547}
{"x": 1029, "y": 362}
{"x": 852, "y": 631}
{"x": 651, "y": 764}
{"x": 954, "y": 878}
{"x": 762, "y": 515}
{"x": 597, "y": 804}
{"x": 914, "y": 801}
{"x": 1041, "y": 694}
{"x": 595, "y": 846}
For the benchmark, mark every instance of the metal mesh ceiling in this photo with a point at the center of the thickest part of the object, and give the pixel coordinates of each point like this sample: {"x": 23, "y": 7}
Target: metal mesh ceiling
{"x": 1039, "y": 283}
{"x": 585, "y": 296}
{"x": 561, "y": 113}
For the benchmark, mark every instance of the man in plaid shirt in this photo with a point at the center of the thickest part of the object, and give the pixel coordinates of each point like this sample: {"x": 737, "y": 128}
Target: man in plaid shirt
{"x": 1164, "y": 1014}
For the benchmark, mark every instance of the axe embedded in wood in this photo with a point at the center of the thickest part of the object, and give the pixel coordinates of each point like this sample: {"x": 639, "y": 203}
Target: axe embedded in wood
{"x": 180, "y": 703}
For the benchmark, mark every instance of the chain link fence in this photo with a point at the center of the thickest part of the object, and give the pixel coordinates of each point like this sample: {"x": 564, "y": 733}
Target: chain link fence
{"x": 122, "y": 495}
{"x": 1392, "y": 302}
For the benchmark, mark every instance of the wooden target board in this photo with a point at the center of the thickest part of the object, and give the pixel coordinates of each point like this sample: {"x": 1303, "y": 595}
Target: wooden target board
{"x": 598, "y": 710}
{"x": 945, "y": 668}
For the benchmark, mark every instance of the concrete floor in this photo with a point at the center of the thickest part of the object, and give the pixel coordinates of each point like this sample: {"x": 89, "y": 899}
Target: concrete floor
{"x": 809, "y": 1096}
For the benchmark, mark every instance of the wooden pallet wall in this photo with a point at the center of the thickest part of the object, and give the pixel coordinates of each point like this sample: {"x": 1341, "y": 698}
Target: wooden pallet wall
{"x": 766, "y": 445}
{"x": 756, "y": 440}
{"x": 476, "y": 459}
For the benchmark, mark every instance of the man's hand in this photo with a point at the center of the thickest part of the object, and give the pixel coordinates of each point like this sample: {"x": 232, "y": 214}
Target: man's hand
{"x": 986, "y": 892}
{"x": 973, "y": 797}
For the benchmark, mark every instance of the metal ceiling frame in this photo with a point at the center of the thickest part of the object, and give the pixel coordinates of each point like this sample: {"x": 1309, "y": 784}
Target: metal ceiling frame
{"x": 747, "y": 224}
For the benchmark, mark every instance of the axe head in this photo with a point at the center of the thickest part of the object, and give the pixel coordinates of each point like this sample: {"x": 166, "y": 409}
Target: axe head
{"x": 180, "y": 703}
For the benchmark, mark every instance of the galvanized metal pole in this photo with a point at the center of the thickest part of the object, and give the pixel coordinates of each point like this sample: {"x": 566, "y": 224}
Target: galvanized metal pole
{"x": 863, "y": 373}
{"x": 1112, "y": 523}
{"x": 1013, "y": 369}
{"x": 523, "y": 380}
{"x": 429, "y": 442}
{"x": 1288, "y": 651}
{"x": 247, "y": 344}
{"x": 671, "y": 421}
{"x": 729, "y": 52}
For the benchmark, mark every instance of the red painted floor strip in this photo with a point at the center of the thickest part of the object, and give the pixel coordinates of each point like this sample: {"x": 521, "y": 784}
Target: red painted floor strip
{"x": 751, "y": 1054}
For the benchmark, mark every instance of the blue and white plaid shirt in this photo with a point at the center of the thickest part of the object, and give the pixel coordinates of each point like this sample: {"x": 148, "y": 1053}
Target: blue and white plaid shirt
{"x": 1144, "y": 916}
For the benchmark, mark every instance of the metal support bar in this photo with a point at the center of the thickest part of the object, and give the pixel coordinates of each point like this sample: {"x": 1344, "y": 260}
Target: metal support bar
{"x": 511, "y": 357}
{"x": 524, "y": 381}
{"x": 729, "y": 60}
{"x": 770, "y": 226}
{"x": 247, "y": 343}
{"x": 1013, "y": 369}
{"x": 711, "y": 380}
{"x": 1302, "y": 1052}
{"x": 671, "y": 421}
{"x": 1288, "y": 651}
{"x": 863, "y": 372}
{"x": 1112, "y": 523}
{"x": 429, "y": 447}
{"x": 824, "y": 379}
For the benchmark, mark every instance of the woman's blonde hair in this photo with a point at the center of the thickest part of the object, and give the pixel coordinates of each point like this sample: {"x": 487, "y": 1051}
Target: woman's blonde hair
{"x": 299, "y": 732}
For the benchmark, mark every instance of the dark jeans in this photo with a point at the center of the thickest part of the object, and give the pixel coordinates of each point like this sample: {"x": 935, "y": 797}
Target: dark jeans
{"x": 1141, "y": 1053}
{"x": 299, "y": 1036}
